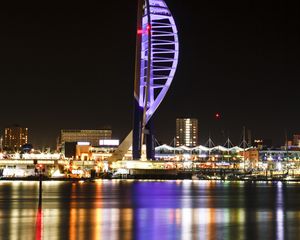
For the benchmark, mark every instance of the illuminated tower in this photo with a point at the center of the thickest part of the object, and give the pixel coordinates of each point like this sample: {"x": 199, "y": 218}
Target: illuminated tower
{"x": 156, "y": 61}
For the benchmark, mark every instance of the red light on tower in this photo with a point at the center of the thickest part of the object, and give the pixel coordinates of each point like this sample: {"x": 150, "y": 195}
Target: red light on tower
{"x": 142, "y": 31}
{"x": 217, "y": 116}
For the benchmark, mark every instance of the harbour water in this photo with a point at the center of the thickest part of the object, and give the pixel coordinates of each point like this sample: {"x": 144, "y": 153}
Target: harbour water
{"x": 136, "y": 209}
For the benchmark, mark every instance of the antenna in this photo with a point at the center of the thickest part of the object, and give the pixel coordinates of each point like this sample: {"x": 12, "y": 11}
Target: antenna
{"x": 210, "y": 144}
{"x": 174, "y": 145}
{"x": 172, "y": 142}
{"x": 156, "y": 142}
{"x": 229, "y": 144}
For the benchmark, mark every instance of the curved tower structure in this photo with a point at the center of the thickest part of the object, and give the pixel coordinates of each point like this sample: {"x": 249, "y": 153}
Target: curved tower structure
{"x": 156, "y": 61}
{"x": 157, "y": 50}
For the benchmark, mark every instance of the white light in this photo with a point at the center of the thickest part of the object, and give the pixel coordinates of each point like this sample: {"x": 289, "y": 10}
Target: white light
{"x": 122, "y": 171}
{"x": 83, "y": 143}
{"x": 105, "y": 167}
{"x": 279, "y": 166}
{"x": 57, "y": 173}
{"x": 77, "y": 171}
{"x": 109, "y": 142}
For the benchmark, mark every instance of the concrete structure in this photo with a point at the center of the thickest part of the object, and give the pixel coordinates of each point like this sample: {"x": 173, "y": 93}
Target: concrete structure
{"x": 186, "y": 132}
{"x": 15, "y": 137}
{"x": 156, "y": 62}
{"x": 91, "y": 136}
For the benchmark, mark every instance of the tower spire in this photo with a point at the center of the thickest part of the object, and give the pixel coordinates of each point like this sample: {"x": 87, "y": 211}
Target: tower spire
{"x": 157, "y": 51}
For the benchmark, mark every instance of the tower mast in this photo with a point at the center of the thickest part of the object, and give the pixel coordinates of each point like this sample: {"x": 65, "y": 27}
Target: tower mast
{"x": 138, "y": 111}
{"x": 148, "y": 76}
{"x": 157, "y": 52}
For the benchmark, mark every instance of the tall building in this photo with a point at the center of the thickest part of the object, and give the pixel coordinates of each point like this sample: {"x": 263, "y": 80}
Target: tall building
{"x": 186, "y": 132}
{"x": 15, "y": 137}
{"x": 91, "y": 136}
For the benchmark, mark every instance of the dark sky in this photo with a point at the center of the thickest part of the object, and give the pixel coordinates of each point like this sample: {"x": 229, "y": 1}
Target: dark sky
{"x": 72, "y": 66}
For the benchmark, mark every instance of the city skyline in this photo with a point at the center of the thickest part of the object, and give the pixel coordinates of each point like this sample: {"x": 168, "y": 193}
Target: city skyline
{"x": 150, "y": 118}
{"x": 59, "y": 69}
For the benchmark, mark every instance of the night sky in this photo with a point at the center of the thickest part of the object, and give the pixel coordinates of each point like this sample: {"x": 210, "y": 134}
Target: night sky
{"x": 72, "y": 67}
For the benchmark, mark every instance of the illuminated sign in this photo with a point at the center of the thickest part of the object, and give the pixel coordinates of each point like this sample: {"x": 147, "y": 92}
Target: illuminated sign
{"x": 109, "y": 142}
{"x": 83, "y": 143}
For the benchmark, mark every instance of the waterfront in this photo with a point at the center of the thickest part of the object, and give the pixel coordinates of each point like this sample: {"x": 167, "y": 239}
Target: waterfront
{"x": 135, "y": 209}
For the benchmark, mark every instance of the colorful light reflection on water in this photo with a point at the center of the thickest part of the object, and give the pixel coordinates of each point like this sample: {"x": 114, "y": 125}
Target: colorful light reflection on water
{"x": 150, "y": 210}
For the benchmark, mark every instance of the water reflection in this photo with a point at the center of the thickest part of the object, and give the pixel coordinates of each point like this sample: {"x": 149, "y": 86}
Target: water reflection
{"x": 149, "y": 210}
{"x": 279, "y": 212}
{"x": 39, "y": 223}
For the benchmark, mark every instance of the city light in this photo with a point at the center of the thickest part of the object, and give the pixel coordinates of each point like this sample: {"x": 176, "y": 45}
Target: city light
{"x": 66, "y": 68}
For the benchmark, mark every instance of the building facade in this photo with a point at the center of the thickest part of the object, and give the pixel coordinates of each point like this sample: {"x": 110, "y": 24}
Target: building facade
{"x": 296, "y": 140}
{"x": 186, "y": 132}
{"x": 262, "y": 144}
{"x": 15, "y": 137}
{"x": 91, "y": 136}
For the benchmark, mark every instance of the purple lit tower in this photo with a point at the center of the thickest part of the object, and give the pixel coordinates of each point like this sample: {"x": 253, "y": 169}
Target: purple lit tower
{"x": 156, "y": 61}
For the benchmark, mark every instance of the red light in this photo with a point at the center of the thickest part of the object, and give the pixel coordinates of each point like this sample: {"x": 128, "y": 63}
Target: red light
{"x": 39, "y": 224}
{"x": 142, "y": 31}
{"x": 218, "y": 115}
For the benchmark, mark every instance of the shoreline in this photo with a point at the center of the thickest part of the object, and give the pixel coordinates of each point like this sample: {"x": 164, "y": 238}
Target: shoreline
{"x": 150, "y": 178}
